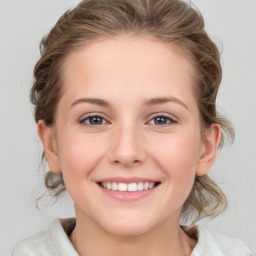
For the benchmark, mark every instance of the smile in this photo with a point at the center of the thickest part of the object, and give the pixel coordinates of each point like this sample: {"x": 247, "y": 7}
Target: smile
{"x": 131, "y": 187}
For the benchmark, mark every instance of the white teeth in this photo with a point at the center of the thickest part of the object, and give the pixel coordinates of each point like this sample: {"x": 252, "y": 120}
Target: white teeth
{"x": 140, "y": 186}
{"x": 109, "y": 185}
{"x": 151, "y": 185}
{"x": 122, "y": 187}
{"x": 132, "y": 187}
{"x": 146, "y": 185}
{"x": 114, "y": 186}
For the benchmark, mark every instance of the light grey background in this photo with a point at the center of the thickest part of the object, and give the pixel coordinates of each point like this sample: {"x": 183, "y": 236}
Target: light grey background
{"x": 231, "y": 23}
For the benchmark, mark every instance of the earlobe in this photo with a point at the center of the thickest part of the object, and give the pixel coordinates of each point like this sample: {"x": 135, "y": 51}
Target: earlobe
{"x": 209, "y": 149}
{"x": 47, "y": 137}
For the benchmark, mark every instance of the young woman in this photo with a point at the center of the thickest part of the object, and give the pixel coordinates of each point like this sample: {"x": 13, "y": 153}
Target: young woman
{"x": 125, "y": 103}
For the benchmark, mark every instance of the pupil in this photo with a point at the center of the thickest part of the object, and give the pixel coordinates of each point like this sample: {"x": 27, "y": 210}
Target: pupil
{"x": 160, "y": 120}
{"x": 95, "y": 120}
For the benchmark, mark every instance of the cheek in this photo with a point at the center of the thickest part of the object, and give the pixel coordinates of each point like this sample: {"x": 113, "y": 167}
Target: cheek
{"x": 179, "y": 151}
{"x": 80, "y": 154}
{"x": 177, "y": 156}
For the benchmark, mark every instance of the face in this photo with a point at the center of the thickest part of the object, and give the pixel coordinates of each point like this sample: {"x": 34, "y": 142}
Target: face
{"x": 128, "y": 120}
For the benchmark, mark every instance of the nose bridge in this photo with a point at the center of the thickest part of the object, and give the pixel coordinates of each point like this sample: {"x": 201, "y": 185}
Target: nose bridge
{"x": 127, "y": 144}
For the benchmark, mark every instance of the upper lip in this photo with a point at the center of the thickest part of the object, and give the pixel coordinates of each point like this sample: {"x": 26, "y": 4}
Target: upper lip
{"x": 126, "y": 180}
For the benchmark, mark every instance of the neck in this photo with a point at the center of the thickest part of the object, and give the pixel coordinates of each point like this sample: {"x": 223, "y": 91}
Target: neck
{"x": 88, "y": 238}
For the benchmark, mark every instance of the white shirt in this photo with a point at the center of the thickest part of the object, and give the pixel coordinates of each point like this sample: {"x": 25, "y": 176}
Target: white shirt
{"x": 55, "y": 241}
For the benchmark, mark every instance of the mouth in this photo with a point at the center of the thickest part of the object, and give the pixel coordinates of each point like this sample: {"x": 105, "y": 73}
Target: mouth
{"x": 128, "y": 187}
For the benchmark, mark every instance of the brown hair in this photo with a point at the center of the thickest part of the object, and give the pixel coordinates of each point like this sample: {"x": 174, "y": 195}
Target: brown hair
{"x": 171, "y": 21}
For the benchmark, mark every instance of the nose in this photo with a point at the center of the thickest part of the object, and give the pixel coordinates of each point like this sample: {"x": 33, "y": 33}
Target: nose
{"x": 127, "y": 146}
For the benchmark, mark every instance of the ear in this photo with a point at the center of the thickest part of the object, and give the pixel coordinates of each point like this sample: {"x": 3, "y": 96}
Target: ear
{"x": 47, "y": 136}
{"x": 208, "y": 149}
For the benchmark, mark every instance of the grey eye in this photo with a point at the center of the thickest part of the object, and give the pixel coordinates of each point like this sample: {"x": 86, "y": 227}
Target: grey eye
{"x": 160, "y": 120}
{"x": 93, "y": 120}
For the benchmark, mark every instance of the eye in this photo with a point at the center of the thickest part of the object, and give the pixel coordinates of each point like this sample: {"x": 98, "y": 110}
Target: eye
{"x": 93, "y": 120}
{"x": 162, "y": 120}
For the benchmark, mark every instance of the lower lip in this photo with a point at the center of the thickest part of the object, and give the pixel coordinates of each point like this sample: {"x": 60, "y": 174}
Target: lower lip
{"x": 127, "y": 195}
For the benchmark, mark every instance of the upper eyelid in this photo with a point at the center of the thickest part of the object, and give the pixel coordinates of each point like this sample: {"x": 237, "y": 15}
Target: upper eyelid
{"x": 84, "y": 118}
{"x": 150, "y": 117}
{"x": 172, "y": 117}
{"x": 92, "y": 114}
{"x": 153, "y": 114}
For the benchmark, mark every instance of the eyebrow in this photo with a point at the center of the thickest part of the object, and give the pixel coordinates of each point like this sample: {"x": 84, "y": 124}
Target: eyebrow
{"x": 95, "y": 101}
{"x": 162, "y": 100}
{"x": 147, "y": 102}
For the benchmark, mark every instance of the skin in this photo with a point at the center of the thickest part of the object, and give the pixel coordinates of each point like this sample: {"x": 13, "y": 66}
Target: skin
{"x": 127, "y": 72}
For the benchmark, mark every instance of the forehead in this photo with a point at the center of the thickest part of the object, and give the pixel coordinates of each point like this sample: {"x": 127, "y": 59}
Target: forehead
{"x": 125, "y": 49}
{"x": 144, "y": 65}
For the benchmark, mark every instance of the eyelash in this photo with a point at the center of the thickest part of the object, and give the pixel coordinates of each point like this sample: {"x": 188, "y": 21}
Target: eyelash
{"x": 83, "y": 120}
{"x": 170, "y": 119}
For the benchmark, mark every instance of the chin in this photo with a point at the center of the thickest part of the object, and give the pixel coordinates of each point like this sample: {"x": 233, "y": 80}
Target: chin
{"x": 128, "y": 227}
{"x": 128, "y": 230}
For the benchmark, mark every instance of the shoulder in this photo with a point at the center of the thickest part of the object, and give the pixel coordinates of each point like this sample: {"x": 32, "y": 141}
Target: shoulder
{"x": 215, "y": 243}
{"x": 39, "y": 244}
{"x": 53, "y": 241}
